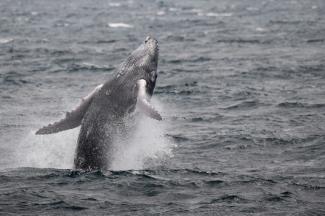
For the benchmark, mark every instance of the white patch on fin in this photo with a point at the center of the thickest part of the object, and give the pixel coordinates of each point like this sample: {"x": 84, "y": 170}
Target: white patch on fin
{"x": 72, "y": 119}
{"x": 143, "y": 102}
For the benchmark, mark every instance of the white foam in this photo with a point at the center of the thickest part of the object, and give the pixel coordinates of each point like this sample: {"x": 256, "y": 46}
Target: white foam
{"x": 252, "y": 9}
{"x": 161, "y": 13}
{"x": 119, "y": 25}
{"x": 5, "y": 40}
{"x": 173, "y": 9}
{"x": 195, "y": 10}
{"x": 219, "y": 14}
{"x": 114, "y": 4}
{"x": 259, "y": 29}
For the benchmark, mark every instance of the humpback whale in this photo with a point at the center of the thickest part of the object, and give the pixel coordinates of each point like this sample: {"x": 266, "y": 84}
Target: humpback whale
{"x": 105, "y": 112}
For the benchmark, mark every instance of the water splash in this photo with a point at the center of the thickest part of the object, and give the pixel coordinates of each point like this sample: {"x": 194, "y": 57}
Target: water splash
{"x": 146, "y": 147}
{"x": 49, "y": 151}
{"x": 147, "y": 143}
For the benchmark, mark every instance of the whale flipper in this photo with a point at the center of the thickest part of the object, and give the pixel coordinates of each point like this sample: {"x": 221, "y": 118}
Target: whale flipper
{"x": 143, "y": 103}
{"x": 72, "y": 119}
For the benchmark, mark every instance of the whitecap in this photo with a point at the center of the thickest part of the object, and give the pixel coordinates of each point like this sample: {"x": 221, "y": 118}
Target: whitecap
{"x": 252, "y": 9}
{"x": 259, "y": 29}
{"x": 114, "y": 4}
{"x": 161, "y": 13}
{"x": 94, "y": 66}
{"x": 119, "y": 25}
{"x": 196, "y": 11}
{"x": 5, "y": 40}
{"x": 173, "y": 9}
{"x": 219, "y": 14}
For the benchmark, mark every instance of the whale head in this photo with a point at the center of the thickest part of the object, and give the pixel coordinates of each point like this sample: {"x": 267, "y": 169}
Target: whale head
{"x": 147, "y": 54}
{"x": 142, "y": 64}
{"x": 145, "y": 57}
{"x": 151, "y": 46}
{"x": 150, "y": 62}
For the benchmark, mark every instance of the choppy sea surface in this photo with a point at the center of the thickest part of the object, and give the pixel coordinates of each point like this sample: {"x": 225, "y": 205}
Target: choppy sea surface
{"x": 241, "y": 88}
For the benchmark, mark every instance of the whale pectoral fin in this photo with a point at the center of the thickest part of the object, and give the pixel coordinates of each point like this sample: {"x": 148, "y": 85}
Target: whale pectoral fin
{"x": 72, "y": 119}
{"x": 143, "y": 102}
{"x": 148, "y": 109}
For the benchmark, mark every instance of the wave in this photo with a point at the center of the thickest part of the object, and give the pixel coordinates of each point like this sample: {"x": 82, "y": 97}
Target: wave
{"x": 244, "y": 105}
{"x": 301, "y": 105}
{"x": 84, "y": 66}
{"x": 6, "y": 40}
{"x": 243, "y": 41}
{"x": 119, "y": 25}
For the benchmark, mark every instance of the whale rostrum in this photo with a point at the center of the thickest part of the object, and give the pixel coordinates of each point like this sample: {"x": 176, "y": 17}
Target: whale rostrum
{"x": 103, "y": 113}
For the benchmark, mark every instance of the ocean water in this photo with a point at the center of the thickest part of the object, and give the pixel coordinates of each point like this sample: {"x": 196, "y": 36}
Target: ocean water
{"x": 241, "y": 88}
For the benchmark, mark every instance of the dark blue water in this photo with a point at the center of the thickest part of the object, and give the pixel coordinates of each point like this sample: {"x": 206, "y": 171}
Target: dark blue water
{"x": 241, "y": 87}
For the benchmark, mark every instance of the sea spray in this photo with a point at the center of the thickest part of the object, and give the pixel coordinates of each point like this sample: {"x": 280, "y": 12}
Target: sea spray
{"x": 146, "y": 146}
{"x": 48, "y": 151}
